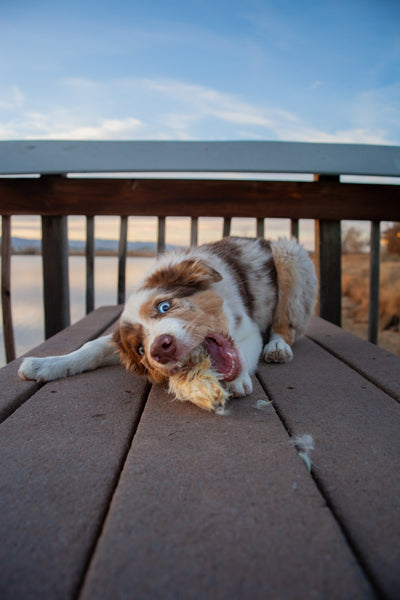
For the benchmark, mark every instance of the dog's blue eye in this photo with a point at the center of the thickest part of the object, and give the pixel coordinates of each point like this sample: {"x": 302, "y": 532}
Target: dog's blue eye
{"x": 163, "y": 307}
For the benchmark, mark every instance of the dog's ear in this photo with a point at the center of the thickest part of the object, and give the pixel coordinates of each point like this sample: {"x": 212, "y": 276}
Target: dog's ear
{"x": 195, "y": 274}
{"x": 127, "y": 339}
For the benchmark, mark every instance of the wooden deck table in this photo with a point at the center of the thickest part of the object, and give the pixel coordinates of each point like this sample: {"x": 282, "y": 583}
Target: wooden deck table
{"x": 109, "y": 490}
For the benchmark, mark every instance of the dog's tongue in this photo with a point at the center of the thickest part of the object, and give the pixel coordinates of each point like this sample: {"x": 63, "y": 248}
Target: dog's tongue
{"x": 224, "y": 357}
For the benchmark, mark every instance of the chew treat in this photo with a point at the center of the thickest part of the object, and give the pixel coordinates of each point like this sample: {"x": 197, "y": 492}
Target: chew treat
{"x": 198, "y": 383}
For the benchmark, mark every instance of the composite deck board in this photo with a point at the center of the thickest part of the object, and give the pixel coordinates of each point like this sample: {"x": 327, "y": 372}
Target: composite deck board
{"x": 219, "y": 507}
{"x": 216, "y": 506}
{"x": 378, "y": 365}
{"x": 355, "y": 426}
{"x": 61, "y": 455}
{"x": 14, "y": 391}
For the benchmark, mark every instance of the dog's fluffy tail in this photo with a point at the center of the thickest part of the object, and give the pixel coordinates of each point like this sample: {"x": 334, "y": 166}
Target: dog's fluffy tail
{"x": 297, "y": 288}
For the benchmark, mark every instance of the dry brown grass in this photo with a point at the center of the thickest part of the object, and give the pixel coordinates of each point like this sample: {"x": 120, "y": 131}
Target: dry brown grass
{"x": 355, "y": 288}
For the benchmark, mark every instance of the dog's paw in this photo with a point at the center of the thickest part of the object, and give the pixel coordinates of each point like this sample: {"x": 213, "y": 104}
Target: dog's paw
{"x": 39, "y": 369}
{"x": 242, "y": 386}
{"x": 277, "y": 350}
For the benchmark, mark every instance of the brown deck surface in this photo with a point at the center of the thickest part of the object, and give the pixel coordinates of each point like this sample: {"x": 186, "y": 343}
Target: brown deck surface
{"x": 109, "y": 490}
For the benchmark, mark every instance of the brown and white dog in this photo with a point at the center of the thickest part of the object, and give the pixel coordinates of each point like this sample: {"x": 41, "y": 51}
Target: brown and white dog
{"x": 199, "y": 319}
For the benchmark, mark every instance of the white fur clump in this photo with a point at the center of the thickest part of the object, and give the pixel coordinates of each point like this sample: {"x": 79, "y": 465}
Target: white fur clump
{"x": 222, "y": 411}
{"x": 262, "y": 404}
{"x": 304, "y": 445}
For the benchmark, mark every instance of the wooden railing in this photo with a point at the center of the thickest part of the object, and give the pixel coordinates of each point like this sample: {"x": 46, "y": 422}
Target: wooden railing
{"x": 54, "y": 195}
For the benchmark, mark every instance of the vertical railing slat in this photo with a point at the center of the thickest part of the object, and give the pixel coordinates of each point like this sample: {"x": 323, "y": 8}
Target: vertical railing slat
{"x": 294, "y": 228}
{"x": 161, "y": 235}
{"x": 90, "y": 253}
{"x": 122, "y": 249}
{"x": 260, "y": 227}
{"x": 373, "y": 309}
{"x": 8, "y": 329}
{"x": 226, "y": 229}
{"x": 55, "y": 274}
{"x": 194, "y": 231}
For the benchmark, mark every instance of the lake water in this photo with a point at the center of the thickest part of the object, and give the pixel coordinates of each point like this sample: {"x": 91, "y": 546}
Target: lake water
{"x": 27, "y": 300}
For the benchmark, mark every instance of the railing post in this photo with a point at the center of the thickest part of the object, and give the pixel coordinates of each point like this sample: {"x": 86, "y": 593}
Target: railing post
{"x": 8, "y": 329}
{"x": 329, "y": 253}
{"x": 373, "y": 308}
{"x": 55, "y": 274}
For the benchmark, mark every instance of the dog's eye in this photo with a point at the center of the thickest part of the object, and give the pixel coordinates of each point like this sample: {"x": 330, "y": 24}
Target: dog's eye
{"x": 163, "y": 307}
{"x": 140, "y": 350}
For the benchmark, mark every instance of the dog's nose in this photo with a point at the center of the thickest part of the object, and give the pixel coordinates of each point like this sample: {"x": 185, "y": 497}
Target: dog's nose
{"x": 163, "y": 349}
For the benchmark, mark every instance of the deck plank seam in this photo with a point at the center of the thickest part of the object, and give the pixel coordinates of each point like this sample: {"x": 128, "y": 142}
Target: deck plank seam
{"x": 355, "y": 368}
{"x": 369, "y": 576}
{"x": 20, "y": 400}
{"x": 109, "y": 500}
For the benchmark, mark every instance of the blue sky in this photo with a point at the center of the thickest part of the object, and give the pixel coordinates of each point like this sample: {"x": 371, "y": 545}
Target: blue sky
{"x": 299, "y": 70}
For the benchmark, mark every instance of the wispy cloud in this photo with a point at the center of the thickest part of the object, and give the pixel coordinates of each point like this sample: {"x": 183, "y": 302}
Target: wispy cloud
{"x": 171, "y": 109}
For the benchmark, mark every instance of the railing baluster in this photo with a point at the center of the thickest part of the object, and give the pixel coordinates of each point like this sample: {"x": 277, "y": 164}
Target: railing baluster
{"x": 122, "y": 247}
{"x": 373, "y": 309}
{"x": 260, "y": 227}
{"x": 8, "y": 329}
{"x": 294, "y": 228}
{"x": 55, "y": 274}
{"x": 226, "y": 230}
{"x": 194, "y": 231}
{"x": 90, "y": 254}
{"x": 161, "y": 235}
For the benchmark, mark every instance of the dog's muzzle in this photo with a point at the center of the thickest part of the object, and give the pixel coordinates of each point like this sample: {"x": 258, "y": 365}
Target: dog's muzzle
{"x": 164, "y": 349}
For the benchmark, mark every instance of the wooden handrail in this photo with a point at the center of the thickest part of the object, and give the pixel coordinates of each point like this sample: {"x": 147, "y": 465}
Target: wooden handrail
{"x": 199, "y": 198}
{"x": 54, "y": 157}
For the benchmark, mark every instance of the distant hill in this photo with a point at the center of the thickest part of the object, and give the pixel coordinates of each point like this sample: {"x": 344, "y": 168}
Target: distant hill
{"x": 27, "y": 246}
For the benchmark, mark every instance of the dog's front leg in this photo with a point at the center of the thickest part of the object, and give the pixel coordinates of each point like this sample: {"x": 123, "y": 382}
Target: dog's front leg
{"x": 250, "y": 350}
{"x": 97, "y": 353}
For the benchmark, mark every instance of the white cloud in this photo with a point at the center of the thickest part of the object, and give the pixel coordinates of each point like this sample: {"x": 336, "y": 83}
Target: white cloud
{"x": 104, "y": 129}
{"x": 64, "y": 125}
{"x": 200, "y": 104}
{"x": 171, "y": 109}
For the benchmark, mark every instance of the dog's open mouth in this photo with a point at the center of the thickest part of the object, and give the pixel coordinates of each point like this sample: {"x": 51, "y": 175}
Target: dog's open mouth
{"x": 224, "y": 356}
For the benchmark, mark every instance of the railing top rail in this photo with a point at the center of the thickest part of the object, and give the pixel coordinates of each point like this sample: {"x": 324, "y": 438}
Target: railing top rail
{"x": 57, "y": 157}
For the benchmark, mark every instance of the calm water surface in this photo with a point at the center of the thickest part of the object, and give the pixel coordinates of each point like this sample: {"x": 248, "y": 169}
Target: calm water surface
{"x": 27, "y": 301}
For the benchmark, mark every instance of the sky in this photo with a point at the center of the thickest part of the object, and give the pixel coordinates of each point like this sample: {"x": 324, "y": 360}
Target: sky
{"x": 199, "y": 70}
{"x": 292, "y": 70}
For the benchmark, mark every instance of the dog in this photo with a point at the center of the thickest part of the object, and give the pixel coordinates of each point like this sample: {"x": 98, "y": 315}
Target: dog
{"x": 201, "y": 319}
